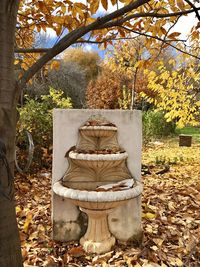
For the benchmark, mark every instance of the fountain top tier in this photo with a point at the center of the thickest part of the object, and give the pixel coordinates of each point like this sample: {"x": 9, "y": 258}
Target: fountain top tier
{"x": 99, "y": 135}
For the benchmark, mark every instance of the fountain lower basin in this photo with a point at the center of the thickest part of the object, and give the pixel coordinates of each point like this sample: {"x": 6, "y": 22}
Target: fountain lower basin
{"x": 97, "y": 205}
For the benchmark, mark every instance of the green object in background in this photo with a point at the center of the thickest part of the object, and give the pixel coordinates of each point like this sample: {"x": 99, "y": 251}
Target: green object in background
{"x": 188, "y": 130}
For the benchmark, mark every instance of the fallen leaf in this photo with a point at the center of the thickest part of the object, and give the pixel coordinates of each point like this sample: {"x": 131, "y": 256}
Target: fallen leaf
{"x": 76, "y": 251}
{"x": 149, "y": 215}
{"x": 28, "y": 220}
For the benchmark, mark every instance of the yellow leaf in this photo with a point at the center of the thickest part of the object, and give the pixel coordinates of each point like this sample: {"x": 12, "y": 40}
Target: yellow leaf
{"x": 94, "y": 5}
{"x": 198, "y": 103}
{"x": 122, "y": 33}
{"x": 175, "y": 262}
{"x": 81, "y": 5}
{"x": 172, "y": 62}
{"x": 63, "y": 8}
{"x": 180, "y": 4}
{"x": 78, "y": 8}
{"x": 158, "y": 241}
{"x": 38, "y": 28}
{"x": 174, "y": 35}
{"x": 16, "y": 61}
{"x": 114, "y": 2}
{"x": 55, "y": 64}
{"x": 149, "y": 215}
{"x": 163, "y": 30}
{"x": 18, "y": 209}
{"x": 58, "y": 30}
{"x": 24, "y": 66}
{"x": 28, "y": 220}
{"x": 139, "y": 63}
{"x": 58, "y": 19}
{"x": 104, "y": 4}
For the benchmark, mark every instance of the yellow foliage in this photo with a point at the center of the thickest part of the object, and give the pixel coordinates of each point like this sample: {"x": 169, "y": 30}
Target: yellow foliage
{"x": 176, "y": 92}
{"x": 55, "y": 64}
{"x": 94, "y": 5}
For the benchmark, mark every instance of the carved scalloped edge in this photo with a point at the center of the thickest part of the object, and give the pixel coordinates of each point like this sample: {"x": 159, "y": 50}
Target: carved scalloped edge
{"x": 94, "y": 196}
{"x": 107, "y": 128}
{"x": 98, "y": 157}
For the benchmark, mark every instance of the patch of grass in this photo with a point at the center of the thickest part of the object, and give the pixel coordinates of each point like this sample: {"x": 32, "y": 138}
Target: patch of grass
{"x": 188, "y": 130}
{"x": 169, "y": 152}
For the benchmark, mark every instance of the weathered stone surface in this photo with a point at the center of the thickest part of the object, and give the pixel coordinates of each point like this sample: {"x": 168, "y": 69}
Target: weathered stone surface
{"x": 125, "y": 221}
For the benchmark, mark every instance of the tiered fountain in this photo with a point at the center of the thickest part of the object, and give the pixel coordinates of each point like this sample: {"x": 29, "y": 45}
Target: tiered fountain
{"x": 97, "y": 180}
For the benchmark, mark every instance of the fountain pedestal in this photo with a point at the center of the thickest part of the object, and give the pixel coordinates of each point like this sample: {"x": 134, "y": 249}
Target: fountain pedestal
{"x": 97, "y": 238}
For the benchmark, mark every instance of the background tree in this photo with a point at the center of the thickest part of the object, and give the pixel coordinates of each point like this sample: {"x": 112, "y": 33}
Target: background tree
{"x": 129, "y": 58}
{"x": 89, "y": 61}
{"x": 177, "y": 91}
{"x": 139, "y": 16}
{"x": 106, "y": 90}
{"x": 68, "y": 77}
{"x": 126, "y": 63}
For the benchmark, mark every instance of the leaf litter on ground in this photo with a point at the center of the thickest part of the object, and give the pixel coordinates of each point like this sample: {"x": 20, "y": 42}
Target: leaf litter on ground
{"x": 170, "y": 218}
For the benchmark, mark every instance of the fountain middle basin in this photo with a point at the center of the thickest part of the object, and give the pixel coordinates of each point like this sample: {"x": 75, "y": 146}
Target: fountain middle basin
{"x": 99, "y": 161}
{"x": 97, "y": 205}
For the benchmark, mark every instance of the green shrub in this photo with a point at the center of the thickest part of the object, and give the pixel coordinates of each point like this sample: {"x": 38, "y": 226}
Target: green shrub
{"x": 155, "y": 126}
{"x": 36, "y": 117}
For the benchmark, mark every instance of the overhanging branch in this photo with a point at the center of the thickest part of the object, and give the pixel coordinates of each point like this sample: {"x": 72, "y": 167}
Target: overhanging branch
{"x": 194, "y": 7}
{"x": 88, "y": 41}
{"x": 31, "y": 50}
{"x": 100, "y": 23}
{"x": 161, "y": 40}
{"x": 146, "y": 15}
{"x": 74, "y": 35}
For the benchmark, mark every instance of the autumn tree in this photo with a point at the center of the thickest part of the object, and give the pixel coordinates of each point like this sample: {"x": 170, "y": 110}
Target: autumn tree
{"x": 177, "y": 91}
{"x": 107, "y": 89}
{"x": 147, "y": 17}
{"x": 89, "y": 61}
{"x": 68, "y": 77}
{"x": 129, "y": 58}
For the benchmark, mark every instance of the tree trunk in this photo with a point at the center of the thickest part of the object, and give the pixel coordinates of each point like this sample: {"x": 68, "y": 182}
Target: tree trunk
{"x": 10, "y": 252}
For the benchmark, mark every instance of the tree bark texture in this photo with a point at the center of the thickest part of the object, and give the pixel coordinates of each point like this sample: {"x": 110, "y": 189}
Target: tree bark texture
{"x": 10, "y": 251}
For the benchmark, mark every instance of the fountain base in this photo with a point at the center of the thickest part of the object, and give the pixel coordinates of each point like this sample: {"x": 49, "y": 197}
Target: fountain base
{"x": 97, "y": 238}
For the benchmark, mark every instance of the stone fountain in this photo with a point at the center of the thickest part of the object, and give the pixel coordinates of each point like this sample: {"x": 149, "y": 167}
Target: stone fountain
{"x": 98, "y": 181}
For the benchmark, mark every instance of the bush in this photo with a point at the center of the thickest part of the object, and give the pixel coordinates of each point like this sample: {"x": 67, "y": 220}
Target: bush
{"x": 155, "y": 126}
{"x": 106, "y": 90}
{"x": 36, "y": 117}
{"x": 69, "y": 78}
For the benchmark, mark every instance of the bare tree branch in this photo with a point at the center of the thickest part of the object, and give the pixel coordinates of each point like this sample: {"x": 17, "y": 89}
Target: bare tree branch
{"x": 88, "y": 41}
{"x": 31, "y": 50}
{"x": 102, "y": 22}
{"x": 194, "y": 7}
{"x": 161, "y": 40}
{"x": 144, "y": 15}
{"x": 74, "y": 35}
{"x": 161, "y": 47}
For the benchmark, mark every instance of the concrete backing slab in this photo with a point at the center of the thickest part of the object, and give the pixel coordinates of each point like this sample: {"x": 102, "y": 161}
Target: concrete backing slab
{"x": 68, "y": 222}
